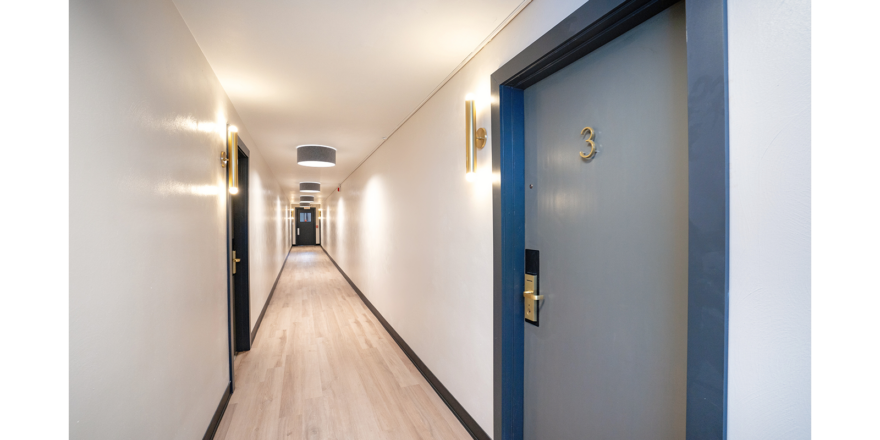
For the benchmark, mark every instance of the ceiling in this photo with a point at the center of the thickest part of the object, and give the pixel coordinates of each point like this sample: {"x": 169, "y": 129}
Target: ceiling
{"x": 339, "y": 73}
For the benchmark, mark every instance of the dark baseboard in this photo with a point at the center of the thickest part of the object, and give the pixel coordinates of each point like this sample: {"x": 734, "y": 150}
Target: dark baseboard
{"x": 269, "y": 299}
{"x": 218, "y": 414}
{"x": 466, "y": 420}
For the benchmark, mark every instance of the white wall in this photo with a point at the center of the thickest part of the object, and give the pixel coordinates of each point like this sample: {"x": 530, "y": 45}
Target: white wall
{"x": 268, "y": 232}
{"x": 148, "y": 309}
{"x": 416, "y": 237}
{"x": 769, "y": 351}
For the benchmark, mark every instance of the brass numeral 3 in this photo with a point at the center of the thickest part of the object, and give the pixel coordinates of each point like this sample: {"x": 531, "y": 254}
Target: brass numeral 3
{"x": 589, "y": 142}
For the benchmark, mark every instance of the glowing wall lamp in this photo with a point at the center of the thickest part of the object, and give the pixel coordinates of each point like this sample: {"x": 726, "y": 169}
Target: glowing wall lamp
{"x": 474, "y": 137}
{"x": 230, "y": 158}
{"x": 316, "y": 156}
{"x": 309, "y": 187}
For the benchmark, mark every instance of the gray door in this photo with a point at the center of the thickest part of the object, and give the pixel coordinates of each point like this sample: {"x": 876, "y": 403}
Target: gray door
{"x": 305, "y": 226}
{"x": 608, "y": 360}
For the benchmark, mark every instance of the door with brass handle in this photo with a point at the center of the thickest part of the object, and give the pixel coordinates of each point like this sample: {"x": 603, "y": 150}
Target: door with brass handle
{"x": 610, "y": 357}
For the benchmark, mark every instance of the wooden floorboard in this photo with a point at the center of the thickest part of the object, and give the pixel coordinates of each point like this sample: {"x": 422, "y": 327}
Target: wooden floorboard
{"x": 323, "y": 367}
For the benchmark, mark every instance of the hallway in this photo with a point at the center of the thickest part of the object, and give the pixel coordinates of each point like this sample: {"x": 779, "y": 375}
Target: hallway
{"x": 554, "y": 219}
{"x": 323, "y": 367}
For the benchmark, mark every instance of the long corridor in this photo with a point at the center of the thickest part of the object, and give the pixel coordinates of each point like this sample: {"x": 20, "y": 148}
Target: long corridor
{"x": 323, "y": 367}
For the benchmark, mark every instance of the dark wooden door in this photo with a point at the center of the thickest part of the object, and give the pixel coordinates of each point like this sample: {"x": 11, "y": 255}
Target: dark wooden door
{"x": 240, "y": 247}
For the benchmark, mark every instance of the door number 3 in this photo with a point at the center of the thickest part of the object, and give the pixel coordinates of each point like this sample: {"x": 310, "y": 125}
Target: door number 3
{"x": 589, "y": 142}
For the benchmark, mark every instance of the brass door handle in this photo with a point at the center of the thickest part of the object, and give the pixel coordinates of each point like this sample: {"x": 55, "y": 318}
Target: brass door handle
{"x": 530, "y": 294}
{"x": 235, "y": 260}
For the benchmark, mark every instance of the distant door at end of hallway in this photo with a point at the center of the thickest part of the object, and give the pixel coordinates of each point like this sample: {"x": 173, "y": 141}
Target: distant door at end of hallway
{"x": 305, "y": 226}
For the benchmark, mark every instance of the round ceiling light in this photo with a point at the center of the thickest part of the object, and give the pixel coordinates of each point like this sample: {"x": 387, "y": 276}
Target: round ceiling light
{"x": 309, "y": 187}
{"x": 316, "y": 155}
{"x": 306, "y": 198}
{"x": 305, "y": 204}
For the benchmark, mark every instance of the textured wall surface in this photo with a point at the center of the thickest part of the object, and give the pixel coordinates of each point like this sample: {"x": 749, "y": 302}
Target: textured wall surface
{"x": 148, "y": 300}
{"x": 769, "y": 333}
{"x": 416, "y": 237}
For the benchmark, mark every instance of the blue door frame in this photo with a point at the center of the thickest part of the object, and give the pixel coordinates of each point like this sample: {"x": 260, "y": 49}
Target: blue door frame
{"x": 592, "y": 25}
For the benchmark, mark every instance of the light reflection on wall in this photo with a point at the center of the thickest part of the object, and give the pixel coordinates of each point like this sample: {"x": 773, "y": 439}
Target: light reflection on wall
{"x": 374, "y": 229}
{"x": 339, "y": 235}
{"x": 174, "y": 187}
{"x": 182, "y": 123}
{"x": 280, "y": 210}
{"x": 205, "y": 190}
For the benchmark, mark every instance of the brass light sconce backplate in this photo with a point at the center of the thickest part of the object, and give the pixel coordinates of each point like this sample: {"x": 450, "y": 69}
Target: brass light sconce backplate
{"x": 481, "y": 138}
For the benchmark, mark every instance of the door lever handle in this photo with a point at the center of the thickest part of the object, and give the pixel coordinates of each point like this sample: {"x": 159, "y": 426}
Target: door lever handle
{"x": 530, "y": 294}
{"x": 530, "y": 288}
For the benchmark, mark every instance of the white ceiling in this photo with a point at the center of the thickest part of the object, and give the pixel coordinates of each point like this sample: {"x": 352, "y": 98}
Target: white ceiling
{"x": 340, "y": 73}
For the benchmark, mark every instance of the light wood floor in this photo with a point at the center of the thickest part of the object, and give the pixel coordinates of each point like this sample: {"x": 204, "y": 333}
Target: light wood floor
{"x": 323, "y": 367}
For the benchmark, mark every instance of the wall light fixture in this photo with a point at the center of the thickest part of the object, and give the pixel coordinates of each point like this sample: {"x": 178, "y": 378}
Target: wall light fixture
{"x": 229, "y": 158}
{"x": 474, "y": 137}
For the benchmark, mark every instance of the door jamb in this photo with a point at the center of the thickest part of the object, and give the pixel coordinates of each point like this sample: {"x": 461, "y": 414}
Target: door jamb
{"x": 588, "y": 28}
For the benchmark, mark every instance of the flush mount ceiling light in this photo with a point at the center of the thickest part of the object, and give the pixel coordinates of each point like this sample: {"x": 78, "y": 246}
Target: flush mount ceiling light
{"x": 306, "y": 199}
{"x": 316, "y": 155}
{"x": 309, "y": 187}
{"x": 305, "y": 204}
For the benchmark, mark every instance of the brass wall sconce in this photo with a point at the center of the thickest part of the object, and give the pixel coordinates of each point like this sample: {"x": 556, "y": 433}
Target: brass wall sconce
{"x": 230, "y": 158}
{"x": 474, "y": 138}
